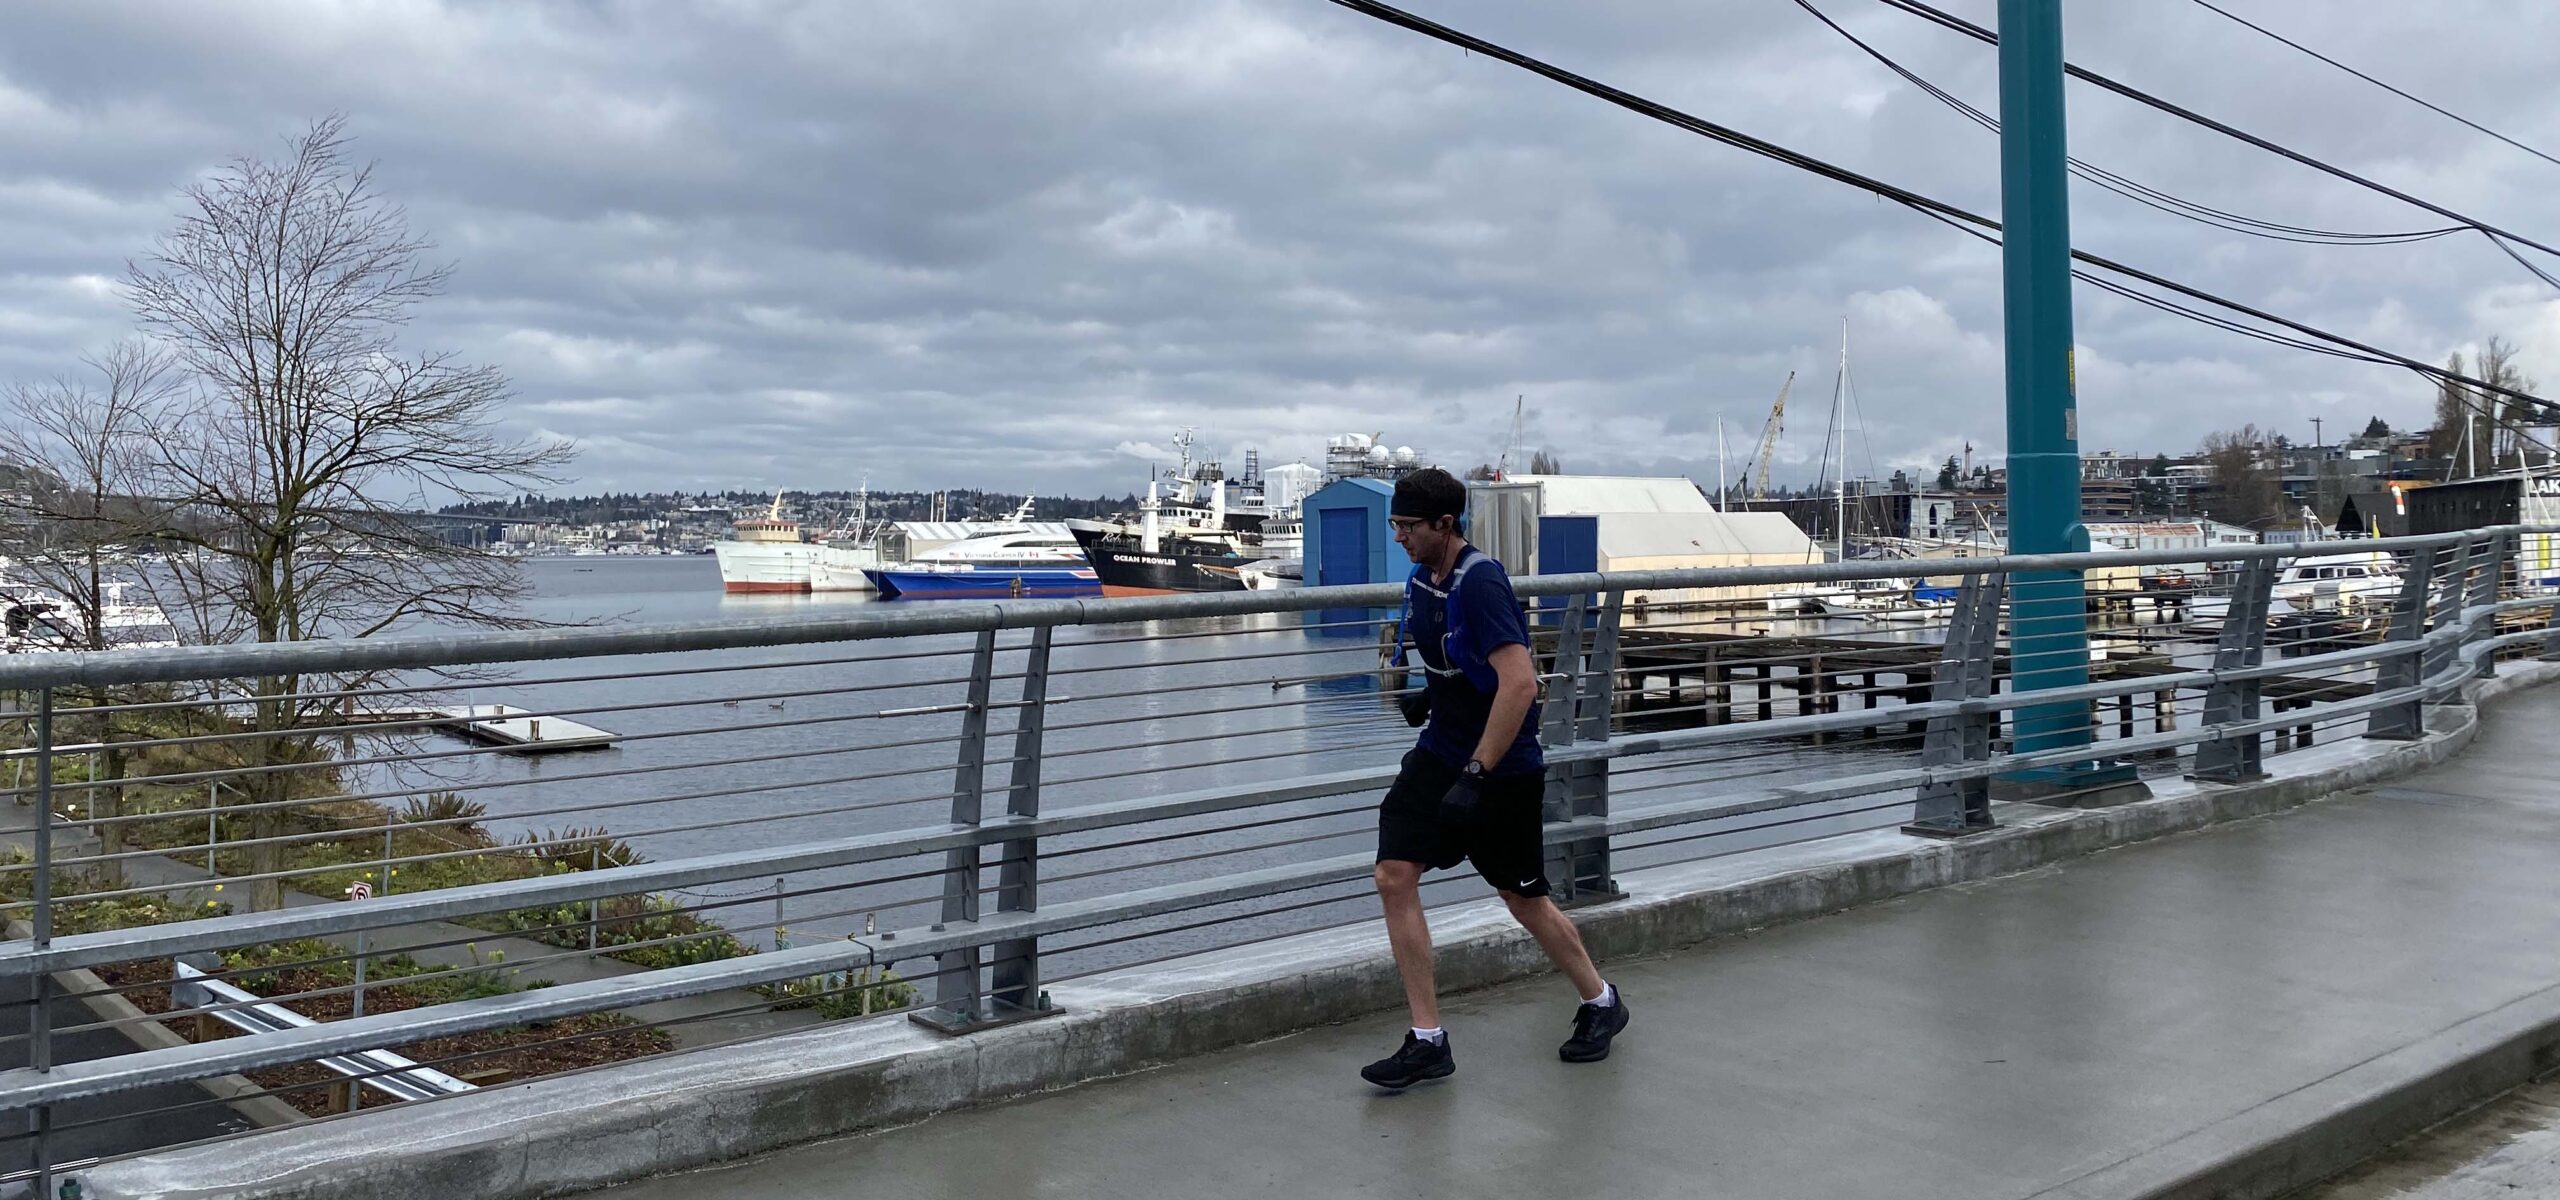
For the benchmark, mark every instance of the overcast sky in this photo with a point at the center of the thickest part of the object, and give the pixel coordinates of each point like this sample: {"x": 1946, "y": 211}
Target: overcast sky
{"x": 1009, "y": 244}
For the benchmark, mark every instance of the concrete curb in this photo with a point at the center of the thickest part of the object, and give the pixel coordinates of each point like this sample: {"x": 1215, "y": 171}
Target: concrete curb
{"x": 563, "y": 1134}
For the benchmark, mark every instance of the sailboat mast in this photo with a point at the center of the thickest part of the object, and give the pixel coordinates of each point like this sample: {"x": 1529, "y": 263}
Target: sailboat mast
{"x": 1724, "y": 492}
{"x": 1840, "y": 435}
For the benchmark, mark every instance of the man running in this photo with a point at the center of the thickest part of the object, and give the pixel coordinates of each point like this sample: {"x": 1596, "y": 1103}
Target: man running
{"x": 1470, "y": 787}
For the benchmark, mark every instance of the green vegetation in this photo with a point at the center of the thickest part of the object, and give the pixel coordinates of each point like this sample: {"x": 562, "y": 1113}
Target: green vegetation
{"x": 310, "y": 964}
{"x": 18, "y": 887}
{"x": 334, "y": 842}
{"x": 838, "y": 995}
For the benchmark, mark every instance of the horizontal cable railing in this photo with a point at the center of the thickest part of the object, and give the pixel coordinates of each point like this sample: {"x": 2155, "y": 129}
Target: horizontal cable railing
{"x": 1108, "y": 783}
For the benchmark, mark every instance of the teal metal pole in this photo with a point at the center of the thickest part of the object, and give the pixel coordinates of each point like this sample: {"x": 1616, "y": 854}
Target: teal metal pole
{"x": 2049, "y": 637}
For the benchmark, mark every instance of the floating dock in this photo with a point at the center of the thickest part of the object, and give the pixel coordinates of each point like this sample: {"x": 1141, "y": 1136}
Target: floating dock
{"x": 516, "y": 731}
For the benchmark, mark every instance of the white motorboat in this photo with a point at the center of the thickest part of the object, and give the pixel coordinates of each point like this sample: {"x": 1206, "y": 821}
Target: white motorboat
{"x": 1272, "y": 574}
{"x": 1019, "y": 561}
{"x": 2340, "y": 582}
{"x": 843, "y": 566}
{"x": 1841, "y": 598}
{"x": 33, "y": 620}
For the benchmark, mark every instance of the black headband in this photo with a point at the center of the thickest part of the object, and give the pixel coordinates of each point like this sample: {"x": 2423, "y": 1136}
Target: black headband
{"x": 1409, "y": 502}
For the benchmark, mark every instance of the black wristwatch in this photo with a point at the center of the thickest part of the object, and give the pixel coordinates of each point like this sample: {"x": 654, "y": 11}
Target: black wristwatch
{"x": 1473, "y": 770}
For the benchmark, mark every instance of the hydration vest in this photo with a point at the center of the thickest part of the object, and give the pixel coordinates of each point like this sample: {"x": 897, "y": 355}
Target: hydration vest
{"x": 1455, "y": 650}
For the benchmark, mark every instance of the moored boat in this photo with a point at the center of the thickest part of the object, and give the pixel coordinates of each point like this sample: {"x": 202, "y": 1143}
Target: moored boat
{"x": 1188, "y": 535}
{"x": 767, "y": 555}
{"x": 1018, "y": 561}
{"x": 1272, "y": 574}
{"x": 957, "y": 581}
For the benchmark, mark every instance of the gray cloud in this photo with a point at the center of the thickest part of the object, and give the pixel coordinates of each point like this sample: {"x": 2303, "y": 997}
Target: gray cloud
{"x": 1009, "y": 244}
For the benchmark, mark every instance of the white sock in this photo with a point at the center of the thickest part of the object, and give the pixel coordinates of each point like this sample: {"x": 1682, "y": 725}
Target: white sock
{"x": 1435, "y": 1035}
{"x": 1608, "y": 996}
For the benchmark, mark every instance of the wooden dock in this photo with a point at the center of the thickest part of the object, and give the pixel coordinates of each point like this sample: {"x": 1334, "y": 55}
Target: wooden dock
{"x": 1700, "y": 678}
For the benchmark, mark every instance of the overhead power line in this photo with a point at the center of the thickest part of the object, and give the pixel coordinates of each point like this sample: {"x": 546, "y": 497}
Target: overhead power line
{"x": 2495, "y": 234}
{"x": 2336, "y": 344}
{"x": 2420, "y": 102}
{"x": 2141, "y": 193}
{"x": 2435, "y": 375}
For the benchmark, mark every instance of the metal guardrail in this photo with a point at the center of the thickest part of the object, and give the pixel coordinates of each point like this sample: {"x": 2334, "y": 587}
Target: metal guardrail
{"x": 1648, "y": 715}
{"x": 380, "y": 1070}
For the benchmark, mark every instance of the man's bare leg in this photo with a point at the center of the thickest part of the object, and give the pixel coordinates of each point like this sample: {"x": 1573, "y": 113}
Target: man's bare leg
{"x": 1400, "y": 892}
{"x": 1557, "y": 936}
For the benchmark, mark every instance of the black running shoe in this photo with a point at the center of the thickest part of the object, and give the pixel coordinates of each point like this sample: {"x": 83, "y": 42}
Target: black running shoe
{"x": 1414, "y": 1062}
{"x": 1593, "y": 1026}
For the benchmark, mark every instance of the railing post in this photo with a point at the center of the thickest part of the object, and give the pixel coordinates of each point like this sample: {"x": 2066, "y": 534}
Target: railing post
{"x": 2444, "y": 633}
{"x": 2403, "y": 671}
{"x": 40, "y": 989}
{"x": 2484, "y": 592}
{"x": 1014, "y": 973}
{"x": 2238, "y": 758}
{"x": 1586, "y": 876}
{"x": 1956, "y": 807}
{"x": 1556, "y": 707}
{"x": 2551, "y": 636}
{"x": 1577, "y": 871}
{"x": 957, "y": 999}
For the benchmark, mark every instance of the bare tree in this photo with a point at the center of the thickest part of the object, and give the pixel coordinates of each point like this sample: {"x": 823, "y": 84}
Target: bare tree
{"x": 305, "y": 436}
{"x": 2497, "y": 367}
{"x": 2246, "y": 490}
{"x": 78, "y": 447}
{"x": 1543, "y": 463}
{"x": 2455, "y": 415}
{"x": 2476, "y": 429}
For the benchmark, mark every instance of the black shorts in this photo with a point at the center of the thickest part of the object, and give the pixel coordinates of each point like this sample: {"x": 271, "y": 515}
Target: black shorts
{"x": 1505, "y": 843}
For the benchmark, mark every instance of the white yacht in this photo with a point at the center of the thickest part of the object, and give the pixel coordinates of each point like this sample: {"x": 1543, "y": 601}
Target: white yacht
{"x": 33, "y": 620}
{"x": 1841, "y": 598}
{"x": 2340, "y": 582}
{"x": 1018, "y": 562}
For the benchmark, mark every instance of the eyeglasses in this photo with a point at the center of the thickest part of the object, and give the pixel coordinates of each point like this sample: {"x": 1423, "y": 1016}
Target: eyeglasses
{"x": 1409, "y": 524}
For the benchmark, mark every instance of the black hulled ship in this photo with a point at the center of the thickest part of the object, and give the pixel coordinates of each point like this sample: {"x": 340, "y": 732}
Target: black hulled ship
{"x": 1191, "y": 533}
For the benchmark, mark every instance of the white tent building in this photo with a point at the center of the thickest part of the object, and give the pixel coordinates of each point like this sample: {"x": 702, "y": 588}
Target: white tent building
{"x": 1628, "y": 523}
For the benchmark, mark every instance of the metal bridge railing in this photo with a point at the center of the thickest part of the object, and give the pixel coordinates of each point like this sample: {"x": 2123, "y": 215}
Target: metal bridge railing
{"x": 943, "y": 811}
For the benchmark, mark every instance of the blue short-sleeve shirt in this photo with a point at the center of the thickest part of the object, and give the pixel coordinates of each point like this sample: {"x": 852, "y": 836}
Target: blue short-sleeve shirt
{"x": 1490, "y": 618}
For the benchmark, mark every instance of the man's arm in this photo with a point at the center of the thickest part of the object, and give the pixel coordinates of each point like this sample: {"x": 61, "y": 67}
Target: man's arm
{"x": 1512, "y": 697}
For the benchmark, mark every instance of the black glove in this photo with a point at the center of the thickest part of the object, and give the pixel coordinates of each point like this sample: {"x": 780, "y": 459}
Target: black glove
{"x": 1458, "y": 806}
{"x": 1416, "y": 706}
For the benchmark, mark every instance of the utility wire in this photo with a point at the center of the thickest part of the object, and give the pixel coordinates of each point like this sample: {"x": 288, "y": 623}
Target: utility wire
{"x": 2422, "y": 103}
{"x": 1914, "y": 200}
{"x": 2178, "y": 205}
{"x": 2469, "y": 400}
{"x": 2138, "y": 192}
{"x": 1950, "y": 21}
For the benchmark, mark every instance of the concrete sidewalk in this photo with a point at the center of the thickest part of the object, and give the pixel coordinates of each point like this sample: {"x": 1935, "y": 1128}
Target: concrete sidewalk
{"x": 2113, "y": 1025}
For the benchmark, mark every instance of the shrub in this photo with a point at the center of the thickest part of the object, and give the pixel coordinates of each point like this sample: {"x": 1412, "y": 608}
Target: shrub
{"x": 838, "y": 995}
{"x": 442, "y": 807}
{"x": 578, "y": 849}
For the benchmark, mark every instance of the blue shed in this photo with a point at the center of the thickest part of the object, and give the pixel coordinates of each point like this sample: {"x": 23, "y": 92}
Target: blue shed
{"x": 1347, "y": 540}
{"x": 1567, "y": 545}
